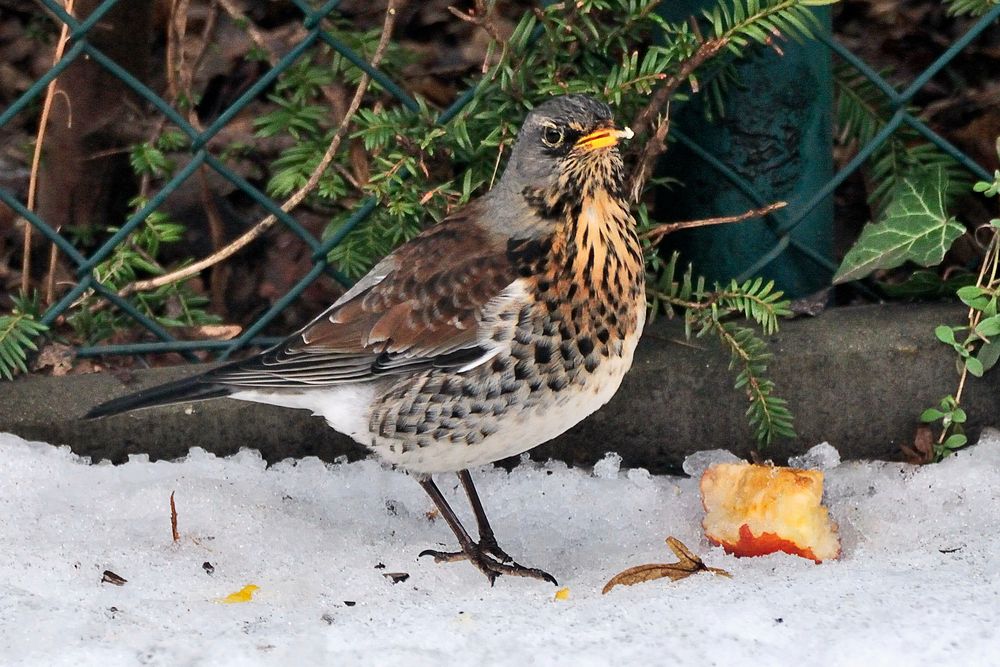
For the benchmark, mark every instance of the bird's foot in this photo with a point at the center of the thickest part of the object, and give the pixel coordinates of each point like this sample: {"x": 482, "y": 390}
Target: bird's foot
{"x": 491, "y": 560}
{"x": 489, "y": 545}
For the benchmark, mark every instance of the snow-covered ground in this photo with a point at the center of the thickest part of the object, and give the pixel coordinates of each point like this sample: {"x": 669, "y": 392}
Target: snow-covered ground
{"x": 918, "y": 583}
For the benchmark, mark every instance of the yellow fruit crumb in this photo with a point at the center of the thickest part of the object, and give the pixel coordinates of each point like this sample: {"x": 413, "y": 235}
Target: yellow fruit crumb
{"x": 562, "y": 594}
{"x": 245, "y": 594}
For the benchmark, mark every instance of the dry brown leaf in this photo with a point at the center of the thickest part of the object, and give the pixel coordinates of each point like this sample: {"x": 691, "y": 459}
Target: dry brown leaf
{"x": 210, "y": 332}
{"x": 687, "y": 565}
{"x": 56, "y": 356}
{"x": 922, "y": 450}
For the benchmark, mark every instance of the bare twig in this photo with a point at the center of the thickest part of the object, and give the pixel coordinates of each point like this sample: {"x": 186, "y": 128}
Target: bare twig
{"x": 657, "y": 144}
{"x": 653, "y": 148}
{"x": 176, "y": 30}
{"x": 496, "y": 165}
{"x": 297, "y": 197}
{"x": 217, "y": 232}
{"x": 256, "y": 36}
{"x": 173, "y": 519}
{"x": 208, "y": 29}
{"x": 36, "y": 159}
{"x": 482, "y": 17}
{"x": 656, "y": 234}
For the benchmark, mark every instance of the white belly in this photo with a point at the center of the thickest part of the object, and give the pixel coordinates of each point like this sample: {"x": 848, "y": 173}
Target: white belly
{"x": 345, "y": 407}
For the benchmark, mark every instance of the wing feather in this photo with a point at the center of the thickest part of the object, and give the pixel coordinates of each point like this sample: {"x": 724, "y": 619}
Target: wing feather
{"x": 421, "y": 307}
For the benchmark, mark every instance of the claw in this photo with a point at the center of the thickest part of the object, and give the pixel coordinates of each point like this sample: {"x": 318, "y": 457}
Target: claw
{"x": 486, "y": 555}
{"x": 481, "y": 558}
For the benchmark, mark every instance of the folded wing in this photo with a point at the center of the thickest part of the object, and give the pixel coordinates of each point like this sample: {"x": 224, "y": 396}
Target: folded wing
{"x": 421, "y": 307}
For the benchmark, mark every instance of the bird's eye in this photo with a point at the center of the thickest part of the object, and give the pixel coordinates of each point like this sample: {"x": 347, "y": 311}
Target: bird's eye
{"x": 552, "y": 136}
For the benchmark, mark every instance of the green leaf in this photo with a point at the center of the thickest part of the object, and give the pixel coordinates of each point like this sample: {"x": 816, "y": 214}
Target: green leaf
{"x": 945, "y": 334}
{"x": 974, "y": 366}
{"x": 16, "y": 332}
{"x": 927, "y": 284}
{"x": 989, "y": 354}
{"x": 915, "y": 228}
{"x": 989, "y": 327}
{"x": 955, "y": 441}
{"x": 973, "y": 296}
{"x": 931, "y": 415}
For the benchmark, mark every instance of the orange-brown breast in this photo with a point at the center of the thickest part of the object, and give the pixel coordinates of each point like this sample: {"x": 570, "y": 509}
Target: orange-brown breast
{"x": 595, "y": 274}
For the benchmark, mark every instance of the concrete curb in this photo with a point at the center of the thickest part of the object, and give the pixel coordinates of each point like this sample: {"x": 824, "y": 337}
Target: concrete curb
{"x": 856, "y": 377}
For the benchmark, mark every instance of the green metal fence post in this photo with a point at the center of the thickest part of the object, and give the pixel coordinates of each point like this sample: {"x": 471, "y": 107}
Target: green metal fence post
{"x": 774, "y": 143}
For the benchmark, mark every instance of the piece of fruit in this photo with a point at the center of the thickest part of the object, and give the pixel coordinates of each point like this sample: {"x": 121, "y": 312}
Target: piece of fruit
{"x": 753, "y": 510}
{"x": 245, "y": 594}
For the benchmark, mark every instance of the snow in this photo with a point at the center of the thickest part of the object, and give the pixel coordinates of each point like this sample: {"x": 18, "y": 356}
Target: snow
{"x": 917, "y": 584}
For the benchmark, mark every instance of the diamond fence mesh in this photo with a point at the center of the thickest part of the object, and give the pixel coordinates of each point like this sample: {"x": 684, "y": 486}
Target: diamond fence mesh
{"x": 313, "y": 20}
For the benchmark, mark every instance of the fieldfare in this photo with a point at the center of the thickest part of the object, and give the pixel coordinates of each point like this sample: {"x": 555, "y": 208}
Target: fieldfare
{"x": 488, "y": 334}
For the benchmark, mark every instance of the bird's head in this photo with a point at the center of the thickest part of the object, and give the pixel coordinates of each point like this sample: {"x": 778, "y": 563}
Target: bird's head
{"x": 566, "y": 149}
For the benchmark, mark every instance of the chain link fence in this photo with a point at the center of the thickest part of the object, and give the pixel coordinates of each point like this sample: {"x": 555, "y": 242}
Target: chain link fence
{"x": 780, "y": 225}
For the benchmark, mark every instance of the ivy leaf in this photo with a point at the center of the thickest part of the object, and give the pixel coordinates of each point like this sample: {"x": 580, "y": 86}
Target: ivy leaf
{"x": 915, "y": 228}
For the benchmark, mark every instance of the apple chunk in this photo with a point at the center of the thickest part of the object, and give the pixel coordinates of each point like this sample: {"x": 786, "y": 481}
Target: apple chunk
{"x": 753, "y": 510}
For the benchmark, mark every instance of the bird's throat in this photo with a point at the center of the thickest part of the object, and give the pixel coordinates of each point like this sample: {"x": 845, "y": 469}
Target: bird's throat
{"x": 587, "y": 275}
{"x": 602, "y": 246}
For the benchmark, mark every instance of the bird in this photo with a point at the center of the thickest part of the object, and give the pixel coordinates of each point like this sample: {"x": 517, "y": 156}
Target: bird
{"x": 487, "y": 334}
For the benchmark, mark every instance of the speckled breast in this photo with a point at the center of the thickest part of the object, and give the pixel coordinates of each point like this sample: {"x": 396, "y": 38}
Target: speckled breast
{"x": 565, "y": 341}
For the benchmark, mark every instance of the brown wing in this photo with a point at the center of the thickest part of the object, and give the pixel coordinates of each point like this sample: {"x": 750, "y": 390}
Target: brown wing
{"x": 419, "y": 308}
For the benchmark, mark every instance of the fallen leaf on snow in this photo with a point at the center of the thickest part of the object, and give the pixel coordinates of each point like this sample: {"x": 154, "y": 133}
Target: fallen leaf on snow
{"x": 687, "y": 565}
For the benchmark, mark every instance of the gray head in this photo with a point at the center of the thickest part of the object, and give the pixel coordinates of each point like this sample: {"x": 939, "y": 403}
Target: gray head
{"x": 566, "y": 147}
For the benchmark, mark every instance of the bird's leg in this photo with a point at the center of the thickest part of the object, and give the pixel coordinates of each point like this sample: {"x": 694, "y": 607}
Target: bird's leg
{"x": 487, "y": 540}
{"x": 474, "y": 553}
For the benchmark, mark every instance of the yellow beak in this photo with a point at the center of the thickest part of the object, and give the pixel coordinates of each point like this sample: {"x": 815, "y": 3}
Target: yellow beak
{"x": 603, "y": 138}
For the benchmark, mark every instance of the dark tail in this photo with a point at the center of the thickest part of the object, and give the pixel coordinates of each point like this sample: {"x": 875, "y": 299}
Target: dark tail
{"x": 196, "y": 388}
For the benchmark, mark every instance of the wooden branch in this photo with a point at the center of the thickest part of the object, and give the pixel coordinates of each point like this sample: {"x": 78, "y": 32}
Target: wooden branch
{"x": 36, "y": 160}
{"x": 657, "y": 144}
{"x": 482, "y": 17}
{"x": 173, "y": 519}
{"x": 258, "y": 230}
{"x": 256, "y": 36}
{"x": 656, "y": 234}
